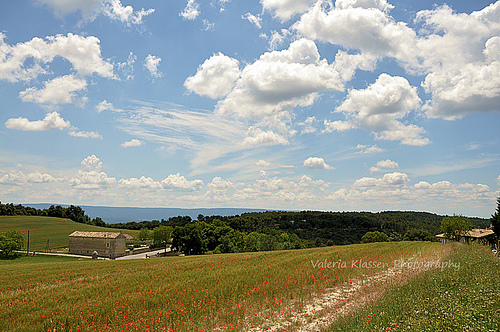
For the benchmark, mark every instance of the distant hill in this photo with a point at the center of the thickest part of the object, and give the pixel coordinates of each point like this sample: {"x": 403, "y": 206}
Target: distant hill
{"x": 113, "y": 215}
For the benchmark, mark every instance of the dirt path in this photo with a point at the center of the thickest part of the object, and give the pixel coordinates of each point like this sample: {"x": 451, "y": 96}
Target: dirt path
{"x": 323, "y": 309}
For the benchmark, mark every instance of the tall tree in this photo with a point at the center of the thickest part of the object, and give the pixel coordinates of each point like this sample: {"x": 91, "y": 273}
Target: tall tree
{"x": 455, "y": 227}
{"x": 495, "y": 219}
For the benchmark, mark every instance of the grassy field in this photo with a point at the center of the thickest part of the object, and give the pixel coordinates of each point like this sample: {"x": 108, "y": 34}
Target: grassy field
{"x": 261, "y": 291}
{"x": 55, "y": 230}
{"x": 447, "y": 299}
{"x": 204, "y": 293}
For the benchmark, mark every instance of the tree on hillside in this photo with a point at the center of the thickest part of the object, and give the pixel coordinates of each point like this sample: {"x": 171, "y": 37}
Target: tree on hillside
{"x": 10, "y": 241}
{"x": 189, "y": 239}
{"x": 375, "y": 237}
{"x": 162, "y": 236}
{"x": 145, "y": 234}
{"x": 495, "y": 219}
{"x": 418, "y": 235}
{"x": 455, "y": 227}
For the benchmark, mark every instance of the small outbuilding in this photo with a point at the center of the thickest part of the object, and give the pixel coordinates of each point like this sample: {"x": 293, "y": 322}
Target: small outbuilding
{"x": 482, "y": 236}
{"x": 106, "y": 244}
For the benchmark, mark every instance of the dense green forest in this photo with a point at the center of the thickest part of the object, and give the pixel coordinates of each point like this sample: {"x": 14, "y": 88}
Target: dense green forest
{"x": 270, "y": 230}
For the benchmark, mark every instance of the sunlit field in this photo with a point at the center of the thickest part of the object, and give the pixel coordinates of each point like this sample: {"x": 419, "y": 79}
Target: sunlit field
{"x": 467, "y": 299}
{"x": 203, "y": 293}
{"x": 49, "y": 232}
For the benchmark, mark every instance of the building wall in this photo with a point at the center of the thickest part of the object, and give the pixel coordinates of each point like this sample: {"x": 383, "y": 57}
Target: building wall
{"x": 104, "y": 246}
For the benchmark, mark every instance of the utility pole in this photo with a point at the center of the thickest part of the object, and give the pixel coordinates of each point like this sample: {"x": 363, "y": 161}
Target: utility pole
{"x": 28, "y": 247}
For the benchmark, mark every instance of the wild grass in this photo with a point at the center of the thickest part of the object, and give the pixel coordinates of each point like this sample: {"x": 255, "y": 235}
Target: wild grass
{"x": 203, "y": 293}
{"x": 447, "y": 299}
{"x": 49, "y": 230}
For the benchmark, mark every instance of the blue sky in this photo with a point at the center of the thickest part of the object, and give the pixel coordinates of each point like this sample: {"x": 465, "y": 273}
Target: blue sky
{"x": 282, "y": 104}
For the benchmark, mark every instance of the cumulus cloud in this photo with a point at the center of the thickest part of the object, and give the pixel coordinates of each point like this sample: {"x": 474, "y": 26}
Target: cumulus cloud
{"x": 308, "y": 182}
{"x": 60, "y": 90}
{"x": 316, "y": 163}
{"x": 256, "y": 136}
{"x": 285, "y": 9}
{"x": 256, "y": 20}
{"x": 309, "y": 125}
{"x": 263, "y": 163}
{"x": 125, "y": 14}
{"x": 25, "y": 61}
{"x": 379, "y": 107}
{"x": 219, "y": 184}
{"x": 141, "y": 183}
{"x": 179, "y": 182}
{"x": 151, "y": 64}
{"x": 370, "y": 30}
{"x": 384, "y": 164}
{"x": 85, "y": 134}
{"x": 368, "y": 149}
{"x": 90, "y": 176}
{"x": 215, "y": 77}
{"x": 279, "y": 81}
{"x": 90, "y": 9}
{"x": 51, "y": 121}
{"x": 191, "y": 11}
{"x": 132, "y": 143}
{"x": 389, "y": 179}
{"x": 19, "y": 178}
{"x": 457, "y": 52}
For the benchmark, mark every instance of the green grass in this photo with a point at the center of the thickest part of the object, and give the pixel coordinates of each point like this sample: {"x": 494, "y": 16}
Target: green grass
{"x": 449, "y": 299}
{"x": 55, "y": 230}
{"x": 202, "y": 293}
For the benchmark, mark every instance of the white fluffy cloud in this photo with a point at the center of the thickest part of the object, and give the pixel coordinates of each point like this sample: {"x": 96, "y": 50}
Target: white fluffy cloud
{"x": 191, "y": 11}
{"x": 389, "y": 179}
{"x": 60, "y": 90}
{"x": 141, "y": 183}
{"x": 384, "y": 164}
{"x": 280, "y": 80}
{"x": 215, "y": 77}
{"x": 256, "y": 20}
{"x": 367, "y": 149}
{"x": 457, "y": 52}
{"x": 51, "y": 121}
{"x": 316, "y": 163}
{"x": 132, "y": 143}
{"x": 151, "y": 64}
{"x": 125, "y": 14}
{"x": 256, "y": 136}
{"x": 90, "y": 176}
{"x": 19, "y": 178}
{"x": 369, "y": 29}
{"x": 379, "y": 108}
{"x": 219, "y": 184}
{"x": 89, "y": 9}
{"x": 84, "y": 54}
{"x": 85, "y": 134}
{"x": 285, "y": 9}
{"x": 179, "y": 182}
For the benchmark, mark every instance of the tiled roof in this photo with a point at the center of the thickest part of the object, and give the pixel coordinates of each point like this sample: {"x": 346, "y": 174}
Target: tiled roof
{"x": 476, "y": 233}
{"x": 105, "y": 235}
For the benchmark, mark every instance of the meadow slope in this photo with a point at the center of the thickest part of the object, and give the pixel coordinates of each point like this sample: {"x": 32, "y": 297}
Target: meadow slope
{"x": 264, "y": 290}
{"x": 53, "y": 230}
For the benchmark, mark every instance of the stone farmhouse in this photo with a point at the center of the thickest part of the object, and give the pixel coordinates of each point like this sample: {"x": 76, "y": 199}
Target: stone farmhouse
{"x": 105, "y": 244}
{"x": 482, "y": 236}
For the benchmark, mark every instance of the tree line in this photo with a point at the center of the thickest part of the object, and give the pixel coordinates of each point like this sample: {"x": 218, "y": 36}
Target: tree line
{"x": 71, "y": 212}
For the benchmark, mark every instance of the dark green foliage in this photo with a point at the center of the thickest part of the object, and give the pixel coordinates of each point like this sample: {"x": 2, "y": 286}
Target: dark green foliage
{"x": 495, "y": 219}
{"x": 9, "y": 242}
{"x": 189, "y": 239}
{"x": 455, "y": 227}
{"x": 375, "y": 237}
{"x": 162, "y": 235}
{"x": 418, "y": 235}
